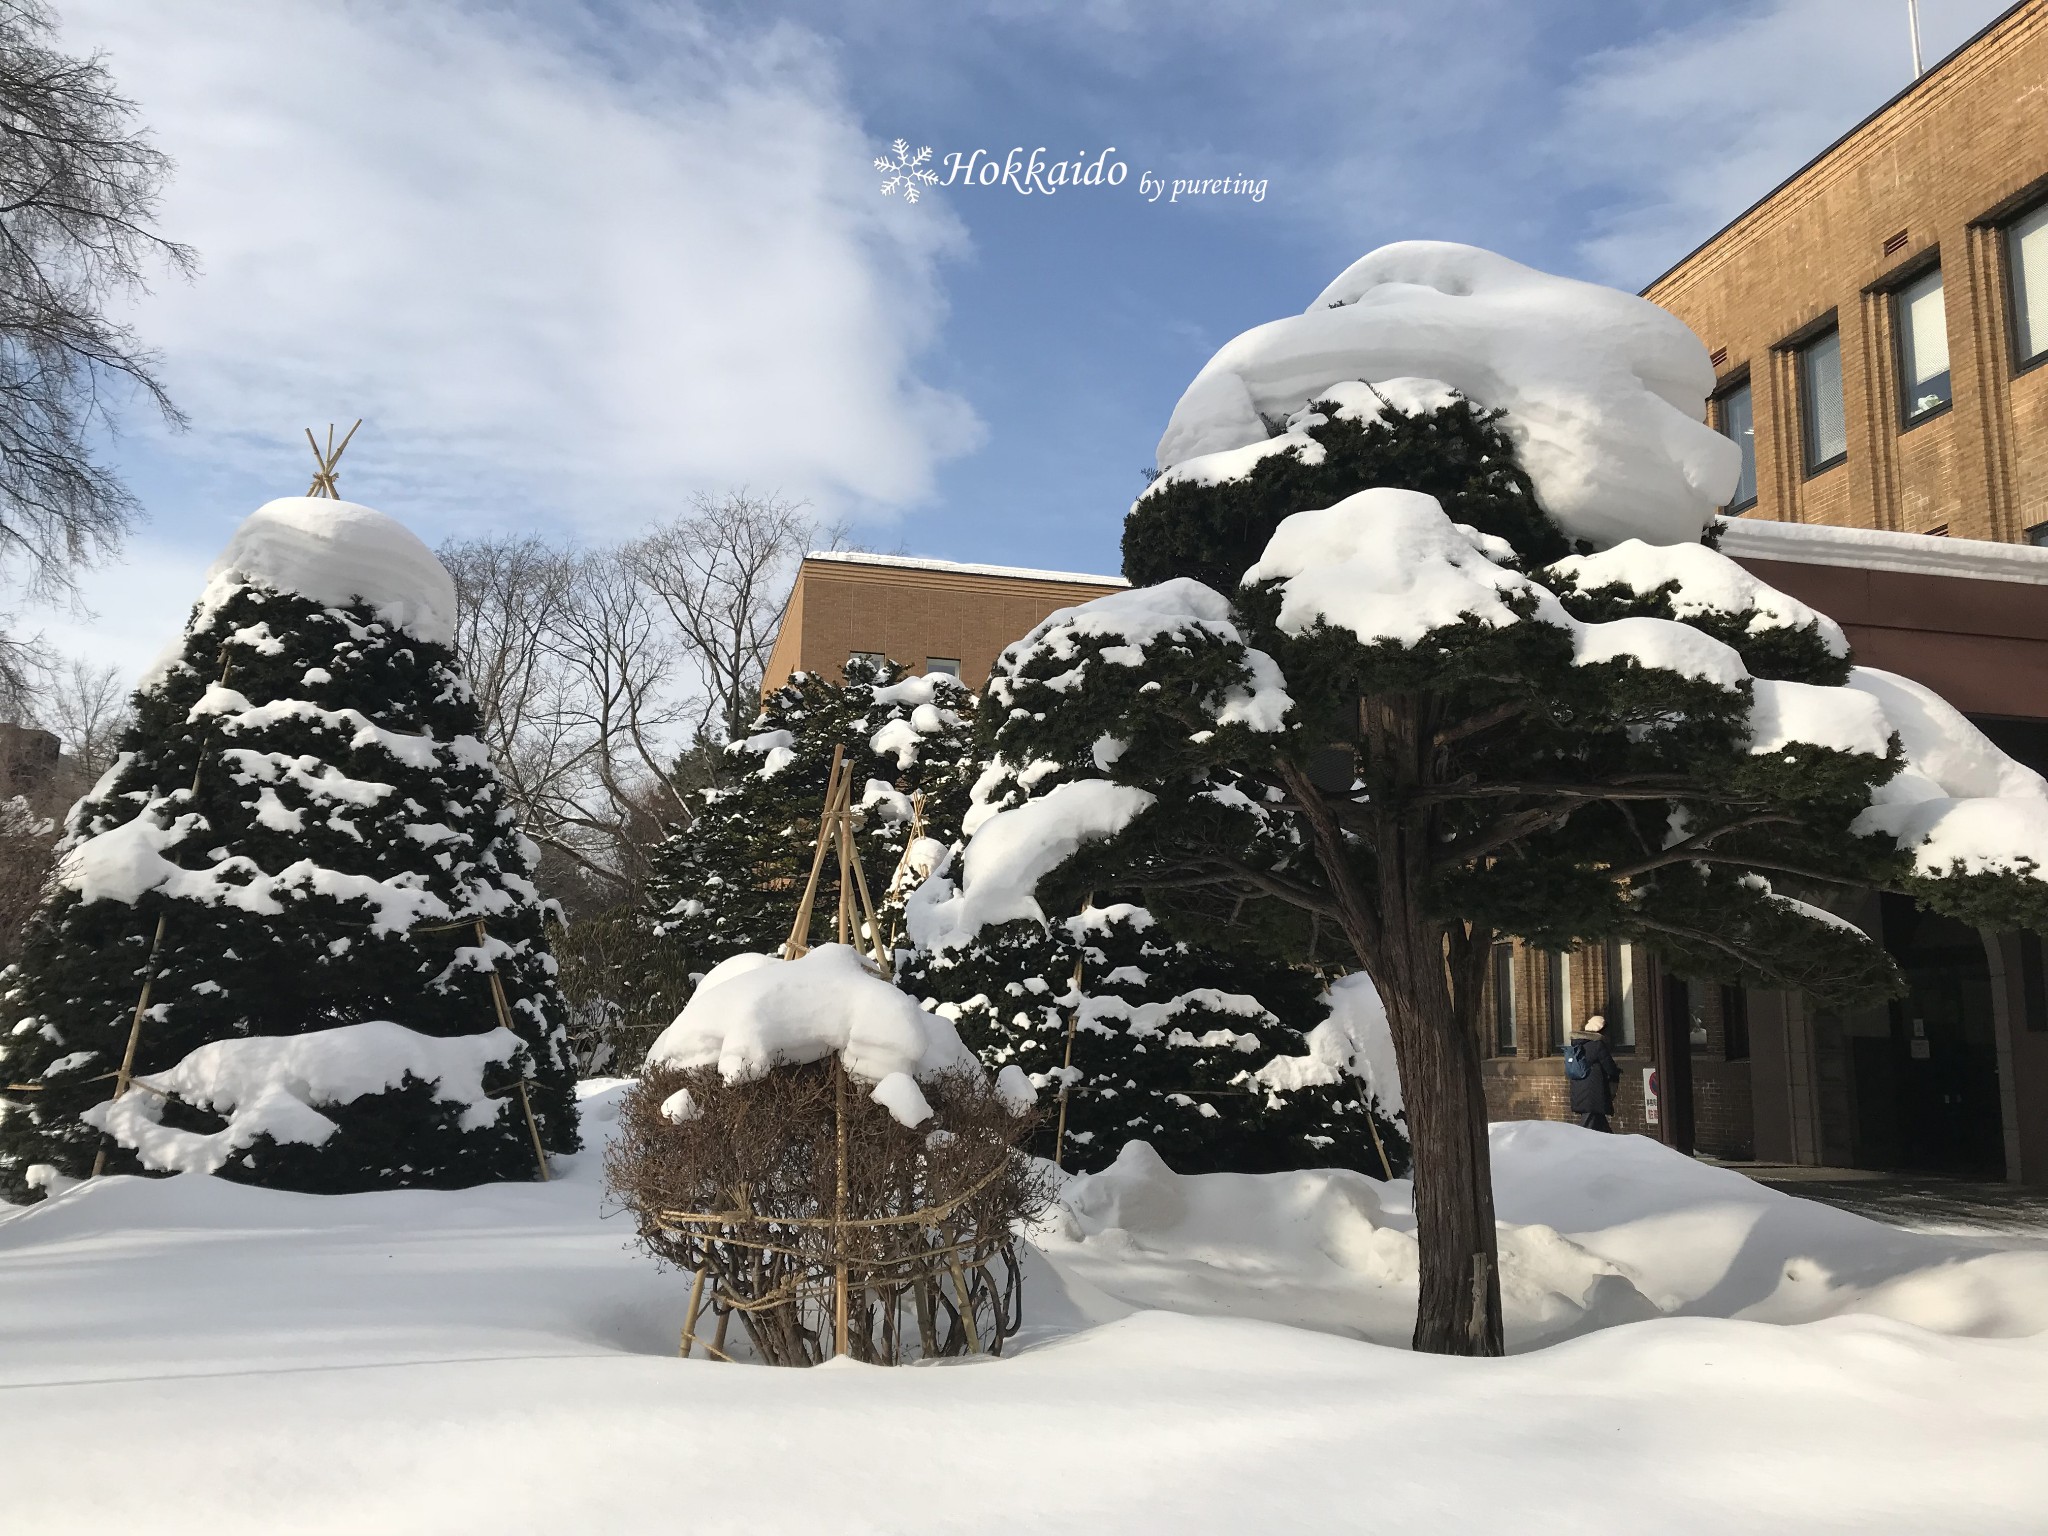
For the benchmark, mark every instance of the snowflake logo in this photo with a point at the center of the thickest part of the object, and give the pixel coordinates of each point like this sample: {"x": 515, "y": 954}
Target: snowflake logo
{"x": 905, "y": 172}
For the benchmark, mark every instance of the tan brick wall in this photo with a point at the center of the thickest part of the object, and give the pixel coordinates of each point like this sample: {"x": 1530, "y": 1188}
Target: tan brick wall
{"x": 1935, "y": 164}
{"x": 1528, "y": 1083}
{"x": 909, "y": 614}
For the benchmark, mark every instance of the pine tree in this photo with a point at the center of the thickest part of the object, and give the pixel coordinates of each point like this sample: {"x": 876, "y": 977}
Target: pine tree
{"x": 729, "y": 882}
{"x": 1160, "y": 1042}
{"x": 1154, "y": 1039}
{"x": 301, "y": 832}
{"x": 1365, "y": 701}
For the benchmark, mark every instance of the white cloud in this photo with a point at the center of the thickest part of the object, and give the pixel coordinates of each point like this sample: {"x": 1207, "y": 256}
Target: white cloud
{"x": 566, "y": 275}
{"x": 1680, "y": 132}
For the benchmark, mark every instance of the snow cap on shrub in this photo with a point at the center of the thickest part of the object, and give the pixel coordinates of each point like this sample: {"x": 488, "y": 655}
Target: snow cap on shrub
{"x": 754, "y": 1013}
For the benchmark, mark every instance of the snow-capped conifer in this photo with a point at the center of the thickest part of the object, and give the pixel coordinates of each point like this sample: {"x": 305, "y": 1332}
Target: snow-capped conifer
{"x": 1368, "y": 700}
{"x": 300, "y": 834}
{"x": 1202, "y": 1050}
{"x": 729, "y": 883}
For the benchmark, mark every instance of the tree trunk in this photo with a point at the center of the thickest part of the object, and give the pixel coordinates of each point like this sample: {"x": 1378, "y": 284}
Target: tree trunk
{"x": 1458, "y": 1311}
{"x": 1408, "y": 954}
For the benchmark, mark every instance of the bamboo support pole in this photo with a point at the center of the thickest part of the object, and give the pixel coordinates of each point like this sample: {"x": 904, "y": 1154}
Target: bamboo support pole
{"x": 1385, "y": 1167}
{"x": 1059, "y": 1140}
{"x": 800, "y": 930}
{"x": 966, "y": 1306}
{"x": 690, "y": 1316}
{"x": 839, "y": 1209}
{"x": 126, "y": 1075}
{"x": 867, "y": 901}
{"x": 323, "y": 477}
{"x": 540, "y": 1155}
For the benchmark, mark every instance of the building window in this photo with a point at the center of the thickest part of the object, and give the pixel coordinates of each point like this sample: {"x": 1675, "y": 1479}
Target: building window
{"x": 950, "y": 665}
{"x": 1823, "y": 427}
{"x": 2038, "y": 535}
{"x": 2026, "y": 265}
{"x": 1735, "y": 1022}
{"x": 2033, "y": 983}
{"x": 1560, "y": 998}
{"x": 1504, "y": 999}
{"x": 1920, "y": 321}
{"x": 1621, "y": 996}
{"x": 872, "y": 658}
{"x": 1735, "y": 415}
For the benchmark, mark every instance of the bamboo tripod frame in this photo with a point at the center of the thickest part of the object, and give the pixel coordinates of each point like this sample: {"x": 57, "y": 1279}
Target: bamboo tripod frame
{"x": 323, "y": 476}
{"x": 827, "y": 1278}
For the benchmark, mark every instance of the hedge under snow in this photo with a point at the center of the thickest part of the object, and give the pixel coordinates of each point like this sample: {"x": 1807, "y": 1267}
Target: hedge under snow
{"x": 275, "y": 1086}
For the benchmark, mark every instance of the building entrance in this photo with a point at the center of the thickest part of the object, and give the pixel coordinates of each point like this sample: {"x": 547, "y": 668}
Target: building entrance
{"x": 1926, "y": 1090}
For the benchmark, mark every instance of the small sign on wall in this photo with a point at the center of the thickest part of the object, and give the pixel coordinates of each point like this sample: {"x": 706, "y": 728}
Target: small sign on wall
{"x": 1650, "y": 1113}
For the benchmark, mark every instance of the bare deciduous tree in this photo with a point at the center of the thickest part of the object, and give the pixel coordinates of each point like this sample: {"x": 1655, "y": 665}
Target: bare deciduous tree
{"x": 79, "y": 183}
{"x": 609, "y": 678}
{"x": 86, "y": 708}
{"x": 722, "y": 572}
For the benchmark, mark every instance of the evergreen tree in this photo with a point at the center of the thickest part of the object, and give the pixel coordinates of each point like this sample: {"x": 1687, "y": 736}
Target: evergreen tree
{"x": 729, "y": 883}
{"x": 1364, "y": 701}
{"x": 301, "y": 832}
{"x": 1187, "y": 1048}
{"x": 1197, "y": 1049}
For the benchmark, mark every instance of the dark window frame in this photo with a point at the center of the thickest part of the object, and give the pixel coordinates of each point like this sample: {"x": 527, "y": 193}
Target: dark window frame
{"x": 1734, "y": 1023}
{"x": 1895, "y": 293}
{"x": 2000, "y": 218}
{"x": 1621, "y": 995}
{"x": 1506, "y": 1031}
{"x": 1736, "y": 382}
{"x": 1799, "y": 346}
{"x": 1558, "y": 994}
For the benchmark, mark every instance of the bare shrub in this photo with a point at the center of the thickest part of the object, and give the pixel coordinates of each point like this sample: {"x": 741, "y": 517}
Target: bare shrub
{"x": 741, "y": 1185}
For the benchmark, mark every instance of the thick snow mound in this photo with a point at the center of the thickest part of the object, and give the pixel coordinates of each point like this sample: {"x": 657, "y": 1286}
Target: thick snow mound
{"x": 1318, "y": 1247}
{"x": 753, "y": 1013}
{"x": 1707, "y": 582}
{"x": 275, "y": 1085}
{"x": 1594, "y": 1230}
{"x": 1011, "y": 852}
{"x": 1605, "y": 393}
{"x": 335, "y": 552}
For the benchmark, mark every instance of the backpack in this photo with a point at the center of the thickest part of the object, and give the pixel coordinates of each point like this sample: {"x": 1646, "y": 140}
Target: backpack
{"x": 1575, "y": 1066}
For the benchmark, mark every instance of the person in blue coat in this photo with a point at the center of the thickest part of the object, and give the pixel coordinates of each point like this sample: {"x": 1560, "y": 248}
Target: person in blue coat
{"x": 1593, "y": 1089}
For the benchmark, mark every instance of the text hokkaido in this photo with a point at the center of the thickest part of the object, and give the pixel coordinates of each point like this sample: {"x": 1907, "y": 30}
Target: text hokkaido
{"x": 1030, "y": 173}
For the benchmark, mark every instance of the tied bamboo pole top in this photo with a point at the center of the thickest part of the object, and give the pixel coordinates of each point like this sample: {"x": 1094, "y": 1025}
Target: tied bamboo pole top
{"x": 326, "y": 459}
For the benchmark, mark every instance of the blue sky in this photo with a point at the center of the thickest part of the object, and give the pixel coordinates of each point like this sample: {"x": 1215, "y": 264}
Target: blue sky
{"x": 573, "y": 264}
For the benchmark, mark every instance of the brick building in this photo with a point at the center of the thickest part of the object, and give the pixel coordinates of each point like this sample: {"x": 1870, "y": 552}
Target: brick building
{"x": 1878, "y": 323}
{"x": 1878, "y": 320}
{"x": 928, "y": 615}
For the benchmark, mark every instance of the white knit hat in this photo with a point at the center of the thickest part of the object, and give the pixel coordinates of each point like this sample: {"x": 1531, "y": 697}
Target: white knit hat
{"x": 1595, "y": 1024}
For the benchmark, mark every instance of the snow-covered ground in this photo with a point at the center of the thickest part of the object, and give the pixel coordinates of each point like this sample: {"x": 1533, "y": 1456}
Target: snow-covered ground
{"x": 190, "y": 1355}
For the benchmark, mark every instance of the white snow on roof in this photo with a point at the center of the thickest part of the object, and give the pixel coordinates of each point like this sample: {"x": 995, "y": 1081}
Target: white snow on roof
{"x": 955, "y": 567}
{"x": 1872, "y": 549}
{"x": 1605, "y": 393}
{"x": 335, "y": 552}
